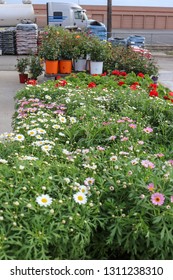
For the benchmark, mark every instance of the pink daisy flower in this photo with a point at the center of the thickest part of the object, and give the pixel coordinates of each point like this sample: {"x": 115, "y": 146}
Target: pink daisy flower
{"x": 132, "y": 125}
{"x": 148, "y": 130}
{"x": 148, "y": 164}
{"x": 150, "y": 187}
{"x": 157, "y": 198}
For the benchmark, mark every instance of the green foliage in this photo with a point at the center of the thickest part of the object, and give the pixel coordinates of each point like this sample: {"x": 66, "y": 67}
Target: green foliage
{"x": 49, "y": 48}
{"x": 112, "y": 143}
{"x": 35, "y": 67}
{"x": 22, "y": 64}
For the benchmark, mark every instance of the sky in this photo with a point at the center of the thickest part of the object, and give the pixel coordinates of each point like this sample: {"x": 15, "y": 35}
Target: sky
{"x": 150, "y": 3}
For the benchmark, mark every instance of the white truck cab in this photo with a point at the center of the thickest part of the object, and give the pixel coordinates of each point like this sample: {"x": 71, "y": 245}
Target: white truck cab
{"x": 66, "y": 15}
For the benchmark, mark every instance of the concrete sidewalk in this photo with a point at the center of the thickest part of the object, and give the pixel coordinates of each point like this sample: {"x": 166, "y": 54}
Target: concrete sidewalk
{"x": 9, "y": 84}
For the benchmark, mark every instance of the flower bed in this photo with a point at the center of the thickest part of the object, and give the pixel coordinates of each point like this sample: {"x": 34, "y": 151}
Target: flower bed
{"x": 87, "y": 172}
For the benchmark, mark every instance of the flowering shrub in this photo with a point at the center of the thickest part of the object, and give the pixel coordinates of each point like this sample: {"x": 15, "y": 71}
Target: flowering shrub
{"x": 87, "y": 171}
{"x": 122, "y": 58}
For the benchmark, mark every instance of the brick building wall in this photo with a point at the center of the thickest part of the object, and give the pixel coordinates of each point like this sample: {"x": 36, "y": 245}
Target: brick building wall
{"x": 122, "y": 17}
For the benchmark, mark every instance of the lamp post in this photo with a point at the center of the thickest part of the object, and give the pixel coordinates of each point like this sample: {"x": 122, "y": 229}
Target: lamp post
{"x": 109, "y": 18}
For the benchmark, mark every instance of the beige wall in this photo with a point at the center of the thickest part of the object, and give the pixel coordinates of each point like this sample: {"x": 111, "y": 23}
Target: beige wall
{"x": 122, "y": 17}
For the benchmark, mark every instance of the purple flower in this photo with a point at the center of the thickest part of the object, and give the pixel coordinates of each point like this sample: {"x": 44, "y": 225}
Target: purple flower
{"x": 157, "y": 198}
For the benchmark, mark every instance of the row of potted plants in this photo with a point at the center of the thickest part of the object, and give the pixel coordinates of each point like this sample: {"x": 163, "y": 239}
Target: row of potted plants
{"x": 62, "y": 51}
{"x": 59, "y": 44}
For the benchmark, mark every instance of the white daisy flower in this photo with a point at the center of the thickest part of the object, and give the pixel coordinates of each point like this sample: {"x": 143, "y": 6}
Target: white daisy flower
{"x": 3, "y": 160}
{"x": 89, "y": 181}
{"x": 80, "y": 198}
{"x": 32, "y": 132}
{"x": 56, "y": 126}
{"x": 41, "y": 131}
{"x": 48, "y": 97}
{"x": 113, "y": 158}
{"x": 67, "y": 180}
{"x": 46, "y": 148}
{"x": 72, "y": 119}
{"x": 44, "y": 200}
{"x": 83, "y": 189}
{"x": 19, "y": 137}
{"x": 28, "y": 158}
{"x": 62, "y": 119}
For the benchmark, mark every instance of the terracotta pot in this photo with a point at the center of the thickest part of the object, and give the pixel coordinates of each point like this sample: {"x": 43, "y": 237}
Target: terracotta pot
{"x": 51, "y": 66}
{"x": 23, "y": 78}
{"x": 65, "y": 66}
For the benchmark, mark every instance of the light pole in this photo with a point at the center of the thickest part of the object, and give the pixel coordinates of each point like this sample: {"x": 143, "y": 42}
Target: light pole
{"x": 109, "y": 18}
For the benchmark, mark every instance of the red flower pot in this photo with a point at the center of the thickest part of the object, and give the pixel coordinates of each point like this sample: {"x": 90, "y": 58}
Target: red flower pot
{"x": 23, "y": 78}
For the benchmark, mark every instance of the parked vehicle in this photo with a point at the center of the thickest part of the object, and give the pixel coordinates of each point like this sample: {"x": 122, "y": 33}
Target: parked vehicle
{"x": 73, "y": 16}
{"x": 12, "y": 14}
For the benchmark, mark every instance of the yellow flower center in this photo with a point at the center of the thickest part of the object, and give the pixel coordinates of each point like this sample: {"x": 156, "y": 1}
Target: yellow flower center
{"x": 80, "y": 197}
{"x": 44, "y": 200}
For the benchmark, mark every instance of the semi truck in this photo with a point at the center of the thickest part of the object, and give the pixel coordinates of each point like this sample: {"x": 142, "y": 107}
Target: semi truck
{"x": 73, "y": 16}
{"x": 12, "y": 14}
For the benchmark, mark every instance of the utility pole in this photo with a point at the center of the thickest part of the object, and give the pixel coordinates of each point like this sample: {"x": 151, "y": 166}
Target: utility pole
{"x": 109, "y": 18}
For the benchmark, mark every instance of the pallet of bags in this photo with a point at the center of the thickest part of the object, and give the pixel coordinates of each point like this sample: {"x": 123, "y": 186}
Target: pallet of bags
{"x": 9, "y": 41}
{"x": 26, "y": 38}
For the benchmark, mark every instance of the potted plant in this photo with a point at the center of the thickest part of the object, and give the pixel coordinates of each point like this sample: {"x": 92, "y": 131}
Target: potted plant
{"x": 98, "y": 53}
{"x": 35, "y": 68}
{"x": 80, "y": 51}
{"x": 21, "y": 66}
{"x": 49, "y": 49}
{"x": 67, "y": 44}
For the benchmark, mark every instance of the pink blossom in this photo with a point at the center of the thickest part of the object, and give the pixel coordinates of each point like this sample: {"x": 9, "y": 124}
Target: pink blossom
{"x": 124, "y": 139}
{"x": 120, "y": 121}
{"x": 148, "y": 129}
{"x": 157, "y": 198}
{"x": 132, "y": 125}
{"x": 140, "y": 142}
{"x": 113, "y": 137}
{"x": 171, "y": 198}
{"x": 150, "y": 187}
{"x": 148, "y": 164}
{"x": 170, "y": 162}
{"x": 99, "y": 148}
{"x": 159, "y": 155}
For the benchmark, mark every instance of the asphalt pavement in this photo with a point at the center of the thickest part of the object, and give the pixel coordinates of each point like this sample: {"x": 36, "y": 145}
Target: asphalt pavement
{"x": 9, "y": 84}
